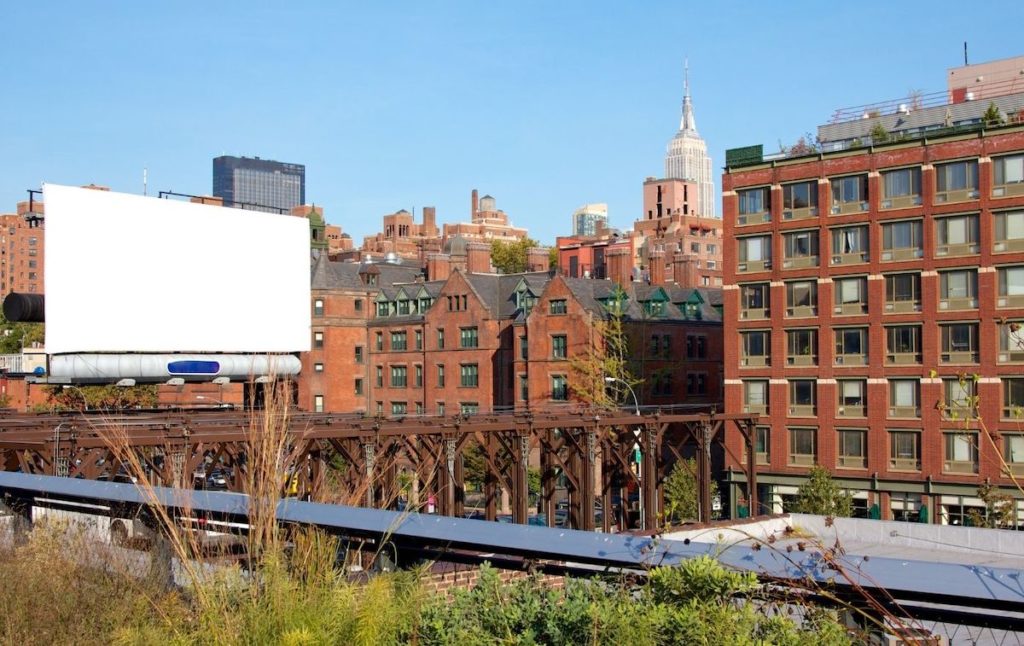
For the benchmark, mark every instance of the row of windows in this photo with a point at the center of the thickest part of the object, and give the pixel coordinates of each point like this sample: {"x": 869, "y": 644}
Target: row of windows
{"x": 402, "y": 408}
{"x": 960, "y": 449}
{"x": 402, "y": 307}
{"x": 960, "y": 398}
{"x": 958, "y": 290}
{"x": 959, "y": 343}
{"x": 956, "y": 235}
{"x": 469, "y": 376}
{"x": 318, "y": 306}
{"x": 955, "y": 181}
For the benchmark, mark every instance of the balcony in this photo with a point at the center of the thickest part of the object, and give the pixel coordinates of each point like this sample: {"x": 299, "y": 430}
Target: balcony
{"x": 950, "y": 250}
{"x": 961, "y": 195}
{"x": 902, "y": 202}
{"x": 1004, "y": 246}
{"x": 850, "y": 309}
{"x": 753, "y": 218}
{"x": 905, "y": 412}
{"x": 903, "y": 358}
{"x": 801, "y": 460}
{"x": 852, "y": 359}
{"x": 898, "y": 307}
{"x": 852, "y": 462}
{"x": 1008, "y": 190}
{"x": 961, "y": 303}
{"x": 902, "y": 253}
{"x": 965, "y": 356}
{"x": 802, "y": 359}
{"x": 1017, "y": 300}
{"x": 801, "y": 311}
{"x": 800, "y": 214}
{"x": 800, "y": 262}
{"x": 904, "y": 464}
{"x": 754, "y": 265}
{"x": 802, "y": 410}
{"x": 857, "y": 258}
{"x": 960, "y": 466}
{"x": 852, "y": 411}
{"x": 845, "y": 208}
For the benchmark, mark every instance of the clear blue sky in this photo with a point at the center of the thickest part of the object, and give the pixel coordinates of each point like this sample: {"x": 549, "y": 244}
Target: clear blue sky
{"x": 544, "y": 105}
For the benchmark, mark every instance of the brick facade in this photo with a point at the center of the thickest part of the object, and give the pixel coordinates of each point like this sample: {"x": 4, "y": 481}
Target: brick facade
{"x": 487, "y": 342}
{"x": 892, "y": 293}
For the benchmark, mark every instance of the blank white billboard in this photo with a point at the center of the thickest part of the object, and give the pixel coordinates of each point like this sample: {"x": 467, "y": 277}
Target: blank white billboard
{"x": 126, "y": 273}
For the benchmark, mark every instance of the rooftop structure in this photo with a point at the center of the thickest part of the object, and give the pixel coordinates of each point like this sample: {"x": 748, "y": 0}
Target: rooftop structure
{"x": 589, "y": 219}
{"x": 259, "y": 184}
{"x": 687, "y": 157}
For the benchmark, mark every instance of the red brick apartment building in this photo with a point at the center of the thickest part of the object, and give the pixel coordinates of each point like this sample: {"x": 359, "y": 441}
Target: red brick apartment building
{"x": 861, "y": 284}
{"x": 21, "y": 250}
{"x": 390, "y": 341}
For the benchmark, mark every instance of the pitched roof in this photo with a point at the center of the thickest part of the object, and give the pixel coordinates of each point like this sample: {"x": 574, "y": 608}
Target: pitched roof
{"x": 590, "y": 293}
{"x": 329, "y": 274}
{"x": 497, "y": 291}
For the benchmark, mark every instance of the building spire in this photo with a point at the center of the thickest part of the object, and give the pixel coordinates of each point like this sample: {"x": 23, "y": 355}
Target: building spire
{"x": 687, "y": 122}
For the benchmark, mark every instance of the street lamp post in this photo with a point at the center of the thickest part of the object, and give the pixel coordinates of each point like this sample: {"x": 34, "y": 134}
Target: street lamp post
{"x": 636, "y": 445}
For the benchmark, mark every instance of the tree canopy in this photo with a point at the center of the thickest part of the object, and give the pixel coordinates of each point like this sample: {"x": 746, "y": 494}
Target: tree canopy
{"x": 820, "y": 495}
{"x": 510, "y": 257}
{"x": 15, "y": 336}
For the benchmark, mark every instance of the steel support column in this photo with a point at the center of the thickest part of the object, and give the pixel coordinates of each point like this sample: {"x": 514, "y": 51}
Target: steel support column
{"x": 649, "y": 477}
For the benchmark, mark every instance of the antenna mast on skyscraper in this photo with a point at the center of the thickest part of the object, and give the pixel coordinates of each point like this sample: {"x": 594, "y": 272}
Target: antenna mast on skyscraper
{"x": 145, "y": 178}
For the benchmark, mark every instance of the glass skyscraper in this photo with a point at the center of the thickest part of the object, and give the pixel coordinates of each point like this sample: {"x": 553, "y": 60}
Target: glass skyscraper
{"x": 259, "y": 184}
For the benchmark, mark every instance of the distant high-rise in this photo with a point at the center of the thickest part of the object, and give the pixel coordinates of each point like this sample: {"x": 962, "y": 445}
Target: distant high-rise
{"x": 687, "y": 157}
{"x": 253, "y": 183}
{"x": 589, "y": 219}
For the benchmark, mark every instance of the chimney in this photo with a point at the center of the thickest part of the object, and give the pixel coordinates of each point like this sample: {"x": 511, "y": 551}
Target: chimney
{"x": 684, "y": 270}
{"x": 656, "y": 265}
{"x": 439, "y": 266}
{"x": 429, "y": 222}
{"x": 478, "y": 258}
{"x": 620, "y": 265}
{"x": 537, "y": 259}
{"x": 474, "y": 205}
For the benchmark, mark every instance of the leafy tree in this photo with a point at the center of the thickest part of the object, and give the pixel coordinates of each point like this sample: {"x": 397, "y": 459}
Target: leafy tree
{"x": 15, "y": 336}
{"x": 806, "y": 145}
{"x": 998, "y": 512}
{"x": 474, "y": 466}
{"x": 107, "y": 397}
{"x": 606, "y": 356}
{"x": 992, "y": 116}
{"x": 879, "y": 135}
{"x": 820, "y": 495}
{"x": 553, "y": 257}
{"x": 682, "y": 498}
{"x": 510, "y": 257}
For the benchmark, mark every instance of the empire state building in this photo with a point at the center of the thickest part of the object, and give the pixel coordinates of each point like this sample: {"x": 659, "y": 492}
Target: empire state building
{"x": 687, "y": 157}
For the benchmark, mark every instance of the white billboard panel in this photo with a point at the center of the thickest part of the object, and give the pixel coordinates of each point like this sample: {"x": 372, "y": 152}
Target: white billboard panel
{"x": 126, "y": 273}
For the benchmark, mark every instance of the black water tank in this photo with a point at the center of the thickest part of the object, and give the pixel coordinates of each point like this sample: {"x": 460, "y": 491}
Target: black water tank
{"x": 25, "y": 308}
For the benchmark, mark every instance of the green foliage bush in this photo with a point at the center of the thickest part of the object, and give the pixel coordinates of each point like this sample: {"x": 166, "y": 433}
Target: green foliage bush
{"x": 49, "y": 596}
